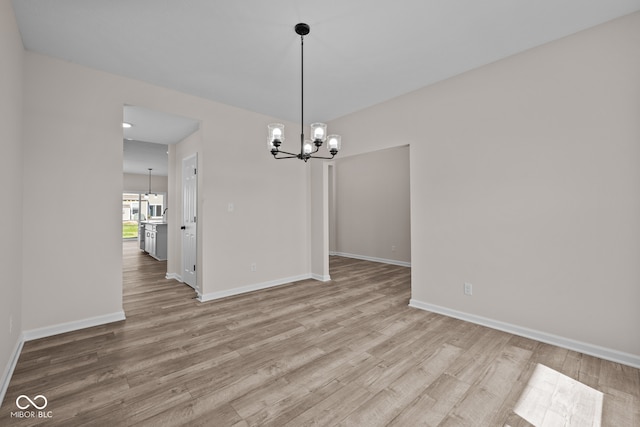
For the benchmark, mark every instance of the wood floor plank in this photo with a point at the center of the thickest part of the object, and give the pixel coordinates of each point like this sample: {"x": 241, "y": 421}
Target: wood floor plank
{"x": 399, "y": 393}
{"x": 472, "y": 363}
{"x": 333, "y": 409}
{"x": 445, "y": 393}
{"x": 279, "y": 413}
{"x": 346, "y": 352}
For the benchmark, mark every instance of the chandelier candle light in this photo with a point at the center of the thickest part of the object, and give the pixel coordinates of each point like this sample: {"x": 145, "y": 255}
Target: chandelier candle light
{"x": 318, "y": 130}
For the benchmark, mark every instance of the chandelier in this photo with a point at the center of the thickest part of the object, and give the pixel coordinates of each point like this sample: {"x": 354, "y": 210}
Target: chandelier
{"x": 148, "y": 193}
{"x": 308, "y": 148}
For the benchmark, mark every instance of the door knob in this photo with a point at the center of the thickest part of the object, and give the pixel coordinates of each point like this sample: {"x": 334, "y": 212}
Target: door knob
{"x": 184, "y": 227}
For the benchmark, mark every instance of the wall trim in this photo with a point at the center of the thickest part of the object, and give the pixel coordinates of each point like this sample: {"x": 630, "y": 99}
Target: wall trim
{"x": 48, "y": 331}
{"x": 8, "y": 371}
{"x": 321, "y": 278}
{"x": 374, "y": 259}
{"x": 579, "y": 346}
{"x": 250, "y": 288}
{"x": 174, "y": 276}
{"x": 61, "y": 328}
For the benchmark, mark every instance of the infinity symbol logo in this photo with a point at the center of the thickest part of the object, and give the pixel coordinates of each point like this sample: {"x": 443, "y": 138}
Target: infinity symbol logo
{"x": 31, "y": 402}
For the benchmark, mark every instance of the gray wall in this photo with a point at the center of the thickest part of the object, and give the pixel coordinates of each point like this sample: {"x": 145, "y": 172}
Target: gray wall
{"x": 525, "y": 182}
{"x": 263, "y": 191}
{"x": 372, "y": 206}
{"x": 11, "y": 69}
{"x": 140, "y": 183}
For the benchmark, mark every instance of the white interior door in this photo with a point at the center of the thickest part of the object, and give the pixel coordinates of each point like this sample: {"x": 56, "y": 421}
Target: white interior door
{"x": 189, "y": 218}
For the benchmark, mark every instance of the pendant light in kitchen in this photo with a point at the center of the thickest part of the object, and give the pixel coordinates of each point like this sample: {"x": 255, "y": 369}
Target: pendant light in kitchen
{"x": 149, "y": 192}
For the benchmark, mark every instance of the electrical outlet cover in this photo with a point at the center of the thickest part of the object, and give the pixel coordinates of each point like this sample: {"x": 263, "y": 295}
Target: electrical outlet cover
{"x": 468, "y": 289}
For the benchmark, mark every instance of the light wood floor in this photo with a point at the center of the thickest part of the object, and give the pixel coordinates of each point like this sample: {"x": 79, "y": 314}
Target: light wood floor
{"x": 347, "y": 352}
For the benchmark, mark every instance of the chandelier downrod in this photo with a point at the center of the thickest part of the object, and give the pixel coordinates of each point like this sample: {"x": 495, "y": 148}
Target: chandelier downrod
{"x": 149, "y": 192}
{"x": 302, "y": 30}
{"x": 318, "y": 130}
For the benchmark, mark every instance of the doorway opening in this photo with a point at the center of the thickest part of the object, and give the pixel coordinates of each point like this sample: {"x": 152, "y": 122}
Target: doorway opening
{"x": 369, "y": 211}
{"x": 151, "y": 198}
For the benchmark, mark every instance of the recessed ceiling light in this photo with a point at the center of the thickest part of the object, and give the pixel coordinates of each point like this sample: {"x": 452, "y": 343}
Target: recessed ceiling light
{"x": 126, "y": 125}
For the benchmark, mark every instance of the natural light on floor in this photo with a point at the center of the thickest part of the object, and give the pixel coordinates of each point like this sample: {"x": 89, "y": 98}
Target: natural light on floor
{"x": 553, "y": 399}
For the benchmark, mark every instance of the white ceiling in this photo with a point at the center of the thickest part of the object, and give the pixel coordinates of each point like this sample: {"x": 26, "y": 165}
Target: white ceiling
{"x": 146, "y": 142}
{"x": 246, "y": 54}
{"x": 139, "y": 156}
{"x": 155, "y": 126}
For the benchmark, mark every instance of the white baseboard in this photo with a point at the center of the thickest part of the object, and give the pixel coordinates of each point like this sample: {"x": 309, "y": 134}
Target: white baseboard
{"x": 61, "y": 328}
{"x": 48, "y": 331}
{"x": 174, "y": 276}
{"x": 374, "y": 259}
{"x": 321, "y": 278}
{"x": 8, "y": 372}
{"x": 581, "y": 347}
{"x": 250, "y": 288}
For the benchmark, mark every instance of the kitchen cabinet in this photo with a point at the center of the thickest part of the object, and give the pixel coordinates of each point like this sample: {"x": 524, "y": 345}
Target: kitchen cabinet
{"x": 155, "y": 240}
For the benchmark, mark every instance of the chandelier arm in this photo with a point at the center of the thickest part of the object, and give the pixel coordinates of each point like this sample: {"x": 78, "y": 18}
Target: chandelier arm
{"x": 285, "y": 152}
{"x": 321, "y": 157}
{"x": 294, "y": 156}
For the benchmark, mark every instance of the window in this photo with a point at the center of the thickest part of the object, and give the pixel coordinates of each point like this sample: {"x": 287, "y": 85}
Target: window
{"x": 155, "y": 210}
{"x": 138, "y": 207}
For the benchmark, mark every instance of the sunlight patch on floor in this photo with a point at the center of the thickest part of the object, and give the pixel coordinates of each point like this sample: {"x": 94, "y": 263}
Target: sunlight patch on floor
{"x": 553, "y": 399}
